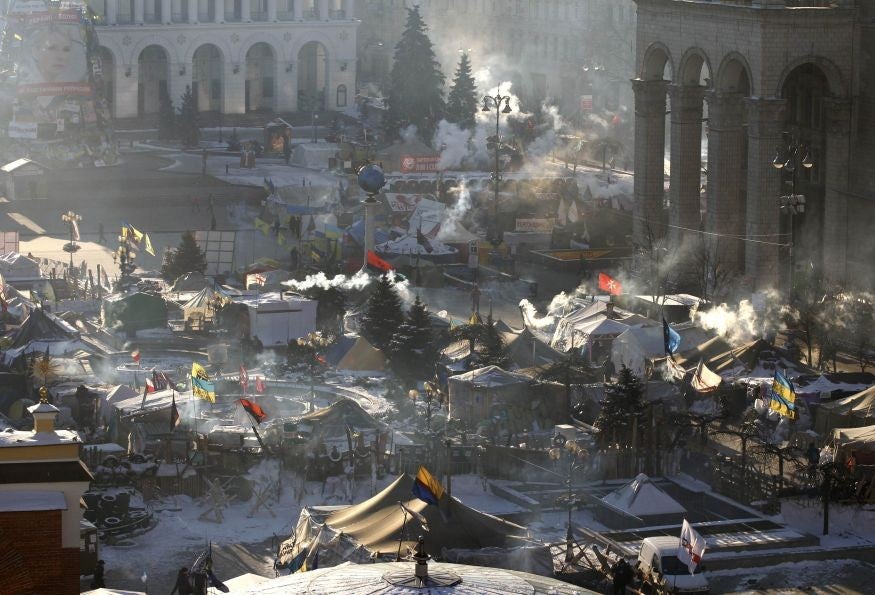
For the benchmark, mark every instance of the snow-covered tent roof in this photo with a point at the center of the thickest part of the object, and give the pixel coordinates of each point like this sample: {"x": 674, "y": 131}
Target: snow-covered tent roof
{"x": 192, "y": 281}
{"x": 642, "y": 498}
{"x": 861, "y": 438}
{"x": 342, "y": 413}
{"x": 362, "y": 358}
{"x": 633, "y": 347}
{"x": 14, "y": 265}
{"x": 490, "y": 376}
{"x": 526, "y": 350}
{"x": 43, "y": 326}
{"x": 205, "y": 298}
{"x": 408, "y": 244}
{"x": 596, "y": 327}
{"x": 851, "y": 412}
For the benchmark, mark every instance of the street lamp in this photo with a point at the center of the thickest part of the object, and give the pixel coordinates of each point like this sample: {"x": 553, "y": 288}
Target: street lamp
{"x": 790, "y": 158}
{"x": 72, "y": 220}
{"x": 494, "y": 142}
{"x": 576, "y": 460}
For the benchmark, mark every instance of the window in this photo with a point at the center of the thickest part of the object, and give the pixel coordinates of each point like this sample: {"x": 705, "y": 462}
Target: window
{"x": 341, "y": 96}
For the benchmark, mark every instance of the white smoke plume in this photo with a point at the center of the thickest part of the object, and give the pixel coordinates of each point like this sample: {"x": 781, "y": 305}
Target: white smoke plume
{"x": 408, "y": 134}
{"x": 356, "y": 282}
{"x": 453, "y": 216}
{"x": 531, "y": 318}
{"x": 749, "y": 320}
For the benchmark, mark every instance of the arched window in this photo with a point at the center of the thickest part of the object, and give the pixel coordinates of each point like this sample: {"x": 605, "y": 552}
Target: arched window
{"x": 341, "y": 96}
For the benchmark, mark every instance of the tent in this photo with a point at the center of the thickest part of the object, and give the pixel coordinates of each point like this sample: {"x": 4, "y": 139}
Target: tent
{"x": 570, "y": 332}
{"x": 854, "y": 438}
{"x": 634, "y": 347}
{"x": 528, "y": 351}
{"x": 639, "y": 503}
{"x": 17, "y": 267}
{"x": 375, "y": 528}
{"x": 855, "y": 411}
{"x": 44, "y": 327}
{"x": 134, "y": 311}
{"x": 192, "y": 281}
{"x": 362, "y": 359}
{"x": 202, "y": 305}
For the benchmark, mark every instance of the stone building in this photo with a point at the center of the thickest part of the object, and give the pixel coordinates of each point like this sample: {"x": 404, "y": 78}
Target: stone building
{"x": 760, "y": 77}
{"x": 237, "y": 55}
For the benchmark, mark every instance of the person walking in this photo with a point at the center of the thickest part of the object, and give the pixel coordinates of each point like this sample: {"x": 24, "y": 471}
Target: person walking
{"x": 97, "y": 580}
{"x": 183, "y": 583}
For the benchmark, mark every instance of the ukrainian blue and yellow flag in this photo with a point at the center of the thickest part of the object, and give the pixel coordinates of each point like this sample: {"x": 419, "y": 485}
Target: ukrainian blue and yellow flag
{"x": 426, "y": 487}
{"x": 201, "y": 386}
{"x": 783, "y": 397}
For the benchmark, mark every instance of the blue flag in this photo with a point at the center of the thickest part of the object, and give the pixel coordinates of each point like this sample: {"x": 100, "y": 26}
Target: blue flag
{"x": 783, "y": 397}
{"x": 670, "y": 338}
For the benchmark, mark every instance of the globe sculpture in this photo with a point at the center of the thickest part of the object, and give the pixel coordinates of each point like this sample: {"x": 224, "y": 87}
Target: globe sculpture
{"x": 371, "y": 180}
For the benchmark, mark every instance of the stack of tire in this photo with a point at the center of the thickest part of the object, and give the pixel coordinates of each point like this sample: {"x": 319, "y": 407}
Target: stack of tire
{"x": 112, "y": 514}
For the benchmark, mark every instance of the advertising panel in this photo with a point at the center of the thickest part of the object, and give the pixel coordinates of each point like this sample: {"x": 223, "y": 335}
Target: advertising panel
{"x": 412, "y": 164}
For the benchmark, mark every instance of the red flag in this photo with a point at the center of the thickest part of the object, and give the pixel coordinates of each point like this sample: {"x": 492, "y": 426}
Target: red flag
{"x": 259, "y": 385}
{"x": 244, "y": 379}
{"x": 378, "y": 263}
{"x": 609, "y": 284}
{"x": 135, "y": 355}
{"x": 253, "y": 409}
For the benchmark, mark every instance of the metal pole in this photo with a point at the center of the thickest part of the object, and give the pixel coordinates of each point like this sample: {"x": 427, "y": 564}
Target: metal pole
{"x": 495, "y": 239}
{"x": 569, "y": 536}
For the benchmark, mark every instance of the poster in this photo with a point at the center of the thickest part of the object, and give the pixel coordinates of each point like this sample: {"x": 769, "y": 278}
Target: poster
{"x": 413, "y": 164}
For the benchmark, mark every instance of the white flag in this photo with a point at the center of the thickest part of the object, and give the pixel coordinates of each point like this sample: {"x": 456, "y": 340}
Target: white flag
{"x": 704, "y": 380}
{"x": 75, "y": 230}
{"x": 573, "y": 215}
{"x": 691, "y": 548}
{"x": 562, "y": 213}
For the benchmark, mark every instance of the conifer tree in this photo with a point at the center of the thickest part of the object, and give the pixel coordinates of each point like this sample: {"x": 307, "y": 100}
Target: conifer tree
{"x": 494, "y": 350}
{"x": 187, "y": 122}
{"x": 187, "y": 258}
{"x": 412, "y": 351}
{"x": 166, "y": 117}
{"x": 416, "y": 94}
{"x": 623, "y": 403}
{"x": 462, "y": 100}
{"x": 383, "y": 315}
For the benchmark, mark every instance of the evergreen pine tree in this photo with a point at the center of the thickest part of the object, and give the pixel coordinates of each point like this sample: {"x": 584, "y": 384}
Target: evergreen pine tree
{"x": 330, "y": 306}
{"x": 416, "y": 95}
{"x": 623, "y": 403}
{"x": 187, "y": 122}
{"x": 412, "y": 350}
{"x": 166, "y": 117}
{"x": 383, "y": 315}
{"x": 494, "y": 351}
{"x": 187, "y": 258}
{"x": 462, "y": 100}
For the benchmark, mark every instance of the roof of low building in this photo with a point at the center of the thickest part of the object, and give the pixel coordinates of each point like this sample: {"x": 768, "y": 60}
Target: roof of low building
{"x": 31, "y": 500}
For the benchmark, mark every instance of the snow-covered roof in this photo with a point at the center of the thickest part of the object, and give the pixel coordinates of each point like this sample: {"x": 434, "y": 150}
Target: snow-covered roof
{"x": 408, "y": 244}
{"x": 31, "y": 500}
{"x": 13, "y": 438}
{"x": 641, "y": 497}
{"x": 490, "y": 376}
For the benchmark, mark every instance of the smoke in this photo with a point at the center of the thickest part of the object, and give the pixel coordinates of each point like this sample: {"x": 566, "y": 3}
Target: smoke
{"x": 454, "y": 143}
{"x": 749, "y": 320}
{"x": 356, "y": 282}
{"x": 453, "y": 216}
{"x": 531, "y": 318}
{"x": 408, "y": 134}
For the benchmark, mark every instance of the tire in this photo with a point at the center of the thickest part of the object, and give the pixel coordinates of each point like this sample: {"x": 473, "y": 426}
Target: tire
{"x": 107, "y": 502}
{"x": 137, "y": 459}
{"x": 111, "y": 522}
{"x": 110, "y": 462}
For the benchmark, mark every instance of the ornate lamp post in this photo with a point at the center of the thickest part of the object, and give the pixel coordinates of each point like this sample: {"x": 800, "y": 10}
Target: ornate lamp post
{"x": 72, "y": 220}
{"x": 790, "y": 158}
{"x": 494, "y": 142}
{"x": 576, "y": 461}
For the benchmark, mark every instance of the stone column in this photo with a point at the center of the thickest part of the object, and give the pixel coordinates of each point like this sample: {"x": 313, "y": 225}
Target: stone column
{"x": 323, "y": 10}
{"x": 764, "y": 126}
{"x": 139, "y": 12}
{"x": 271, "y": 11}
{"x": 835, "y": 201}
{"x": 686, "y": 162}
{"x": 219, "y": 17}
{"x": 649, "y": 181}
{"x": 349, "y": 9}
{"x": 245, "y": 12}
{"x": 111, "y": 12}
{"x": 724, "y": 214}
{"x": 299, "y": 10}
{"x": 166, "y": 12}
{"x": 192, "y": 11}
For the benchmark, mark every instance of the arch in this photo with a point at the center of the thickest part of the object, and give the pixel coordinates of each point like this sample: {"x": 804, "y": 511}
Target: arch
{"x": 656, "y": 57}
{"x": 256, "y": 38}
{"x": 219, "y": 42}
{"x": 260, "y": 85}
{"x": 691, "y": 71}
{"x": 153, "y": 74}
{"x": 146, "y": 41}
{"x": 207, "y": 77}
{"x": 834, "y": 78}
{"x": 733, "y": 75}
{"x": 312, "y": 76}
{"x": 298, "y": 44}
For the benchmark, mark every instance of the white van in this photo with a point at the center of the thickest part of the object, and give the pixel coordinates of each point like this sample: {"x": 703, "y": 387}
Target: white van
{"x": 659, "y": 566}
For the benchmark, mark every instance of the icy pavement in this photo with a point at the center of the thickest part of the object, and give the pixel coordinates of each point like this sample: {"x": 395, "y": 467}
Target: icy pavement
{"x": 834, "y": 577}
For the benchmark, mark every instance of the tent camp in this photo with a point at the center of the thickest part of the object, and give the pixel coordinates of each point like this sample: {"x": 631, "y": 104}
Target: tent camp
{"x": 527, "y": 351}
{"x": 376, "y": 527}
{"x": 854, "y": 438}
{"x": 639, "y": 503}
{"x": 134, "y": 311}
{"x": 363, "y": 359}
{"x": 192, "y": 281}
{"x": 44, "y": 327}
{"x": 202, "y": 307}
{"x": 855, "y": 411}
{"x": 17, "y": 267}
{"x": 634, "y": 347}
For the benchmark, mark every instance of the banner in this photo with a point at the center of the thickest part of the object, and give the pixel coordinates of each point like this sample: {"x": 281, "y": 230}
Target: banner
{"x": 538, "y": 225}
{"x": 401, "y": 203}
{"x": 414, "y": 164}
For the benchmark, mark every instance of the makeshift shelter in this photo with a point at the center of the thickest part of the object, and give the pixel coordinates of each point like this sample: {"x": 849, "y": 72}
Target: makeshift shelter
{"x": 409, "y": 156}
{"x": 639, "y": 503}
{"x": 852, "y": 439}
{"x": 527, "y": 351}
{"x": 509, "y": 398}
{"x": 575, "y": 334}
{"x": 633, "y": 348}
{"x": 44, "y": 327}
{"x": 375, "y": 528}
{"x": 132, "y": 312}
{"x": 362, "y": 359}
{"x": 277, "y": 318}
{"x": 17, "y": 267}
{"x": 192, "y": 281}
{"x": 855, "y": 411}
{"x": 201, "y": 308}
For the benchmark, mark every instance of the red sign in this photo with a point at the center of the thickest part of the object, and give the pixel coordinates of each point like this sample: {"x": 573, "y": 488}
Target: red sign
{"x": 586, "y": 103}
{"x": 412, "y": 164}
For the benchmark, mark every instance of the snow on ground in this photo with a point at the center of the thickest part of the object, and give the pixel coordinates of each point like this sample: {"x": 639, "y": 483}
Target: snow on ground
{"x": 818, "y": 576}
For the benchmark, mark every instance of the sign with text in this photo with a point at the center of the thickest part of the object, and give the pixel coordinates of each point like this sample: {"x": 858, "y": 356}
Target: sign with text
{"x": 413, "y": 164}
{"x": 586, "y": 103}
{"x": 541, "y": 225}
{"x": 405, "y": 202}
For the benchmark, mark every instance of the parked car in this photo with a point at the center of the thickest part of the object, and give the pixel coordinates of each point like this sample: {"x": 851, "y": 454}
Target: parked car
{"x": 662, "y": 571}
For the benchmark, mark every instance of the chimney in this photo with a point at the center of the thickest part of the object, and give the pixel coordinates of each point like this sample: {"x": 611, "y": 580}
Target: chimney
{"x": 43, "y": 413}
{"x": 609, "y": 310}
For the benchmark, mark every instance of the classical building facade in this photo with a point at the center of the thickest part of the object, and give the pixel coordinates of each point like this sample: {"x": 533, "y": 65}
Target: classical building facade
{"x": 237, "y": 55}
{"x": 758, "y": 76}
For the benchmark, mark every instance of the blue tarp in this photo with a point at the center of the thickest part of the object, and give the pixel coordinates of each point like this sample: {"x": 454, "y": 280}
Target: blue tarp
{"x": 357, "y": 233}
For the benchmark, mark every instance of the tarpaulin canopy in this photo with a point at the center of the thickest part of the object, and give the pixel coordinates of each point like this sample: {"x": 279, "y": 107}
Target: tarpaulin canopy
{"x": 857, "y": 438}
{"x": 851, "y": 412}
{"x": 362, "y": 358}
{"x": 43, "y": 326}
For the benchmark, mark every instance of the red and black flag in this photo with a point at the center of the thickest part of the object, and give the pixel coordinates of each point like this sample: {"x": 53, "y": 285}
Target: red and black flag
{"x": 253, "y": 409}
{"x": 174, "y": 414}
